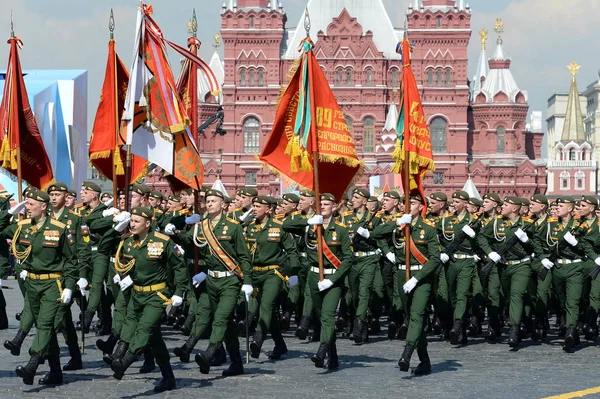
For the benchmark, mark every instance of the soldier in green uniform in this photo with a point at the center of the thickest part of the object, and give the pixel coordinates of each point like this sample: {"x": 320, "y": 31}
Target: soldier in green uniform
{"x": 274, "y": 262}
{"x": 414, "y": 293}
{"x": 70, "y": 199}
{"x": 44, "y": 248}
{"x": 4, "y": 266}
{"x": 150, "y": 258}
{"x": 155, "y": 199}
{"x": 243, "y": 212}
{"x": 366, "y": 261}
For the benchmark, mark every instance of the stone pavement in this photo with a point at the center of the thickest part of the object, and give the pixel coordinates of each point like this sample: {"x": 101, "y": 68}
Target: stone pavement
{"x": 479, "y": 370}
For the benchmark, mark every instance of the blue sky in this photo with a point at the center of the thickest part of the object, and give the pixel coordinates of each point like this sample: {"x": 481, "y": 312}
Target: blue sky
{"x": 541, "y": 36}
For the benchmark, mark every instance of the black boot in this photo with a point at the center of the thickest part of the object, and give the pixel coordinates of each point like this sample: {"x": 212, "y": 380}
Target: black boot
{"x": 88, "y": 316}
{"x": 333, "y": 361}
{"x": 18, "y": 316}
{"x": 284, "y": 322}
{"x": 319, "y": 358}
{"x": 27, "y": 373}
{"x": 204, "y": 358}
{"x": 365, "y": 332}
{"x": 220, "y": 358}
{"x": 437, "y": 326}
{"x": 242, "y": 325}
{"x": 424, "y": 366}
{"x": 184, "y": 351}
{"x": 256, "y": 344}
{"x": 75, "y": 362}
{"x": 54, "y": 376}
{"x": 109, "y": 345}
{"x": 119, "y": 366}
{"x": 279, "y": 350}
{"x": 403, "y": 329}
{"x": 14, "y": 346}
{"x": 302, "y": 330}
{"x": 392, "y": 330}
{"x": 119, "y": 352}
{"x": 236, "y": 367}
{"x": 357, "y": 332}
{"x": 149, "y": 364}
{"x": 592, "y": 332}
{"x": 473, "y": 326}
{"x": 375, "y": 326}
{"x": 404, "y": 362}
{"x": 490, "y": 335}
{"x": 569, "y": 338}
{"x": 340, "y": 323}
{"x": 455, "y": 332}
{"x": 186, "y": 328}
{"x": 316, "y": 334}
{"x": 105, "y": 327}
{"x": 168, "y": 378}
{"x": 513, "y": 337}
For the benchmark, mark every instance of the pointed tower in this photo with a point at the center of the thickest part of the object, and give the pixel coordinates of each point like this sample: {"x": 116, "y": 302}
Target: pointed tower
{"x": 572, "y": 165}
{"x": 482, "y": 64}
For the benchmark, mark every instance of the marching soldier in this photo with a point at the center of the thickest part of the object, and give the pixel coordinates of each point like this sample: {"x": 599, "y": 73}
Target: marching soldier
{"x": 70, "y": 199}
{"x": 243, "y": 211}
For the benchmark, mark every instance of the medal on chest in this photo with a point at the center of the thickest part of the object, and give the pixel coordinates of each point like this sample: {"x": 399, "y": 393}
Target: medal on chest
{"x": 422, "y": 234}
{"x": 155, "y": 249}
{"x": 51, "y": 235}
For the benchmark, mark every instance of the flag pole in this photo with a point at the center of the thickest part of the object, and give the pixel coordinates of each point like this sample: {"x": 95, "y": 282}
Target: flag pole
{"x": 18, "y": 149}
{"x": 115, "y": 180}
{"x": 406, "y": 165}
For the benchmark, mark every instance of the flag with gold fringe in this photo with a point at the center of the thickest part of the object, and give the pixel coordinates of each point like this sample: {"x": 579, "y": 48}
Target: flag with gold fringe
{"x": 413, "y": 140}
{"x": 106, "y": 153}
{"x": 309, "y": 123}
{"x": 19, "y": 129}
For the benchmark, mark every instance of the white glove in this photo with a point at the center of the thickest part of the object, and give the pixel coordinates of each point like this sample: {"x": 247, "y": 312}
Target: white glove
{"x": 292, "y": 281}
{"x": 23, "y": 275}
{"x": 15, "y": 210}
{"x": 179, "y": 249}
{"x": 597, "y": 261}
{"x": 247, "y": 290}
{"x": 325, "y": 284}
{"x": 176, "y": 301}
{"x": 391, "y": 257}
{"x": 316, "y": 219}
{"x": 495, "y": 257}
{"x": 121, "y": 216}
{"x": 410, "y": 285}
{"x": 476, "y": 258}
{"x": 110, "y": 212}
{"x": 521, "y": 235}
{"x": 468, "y": 231}
{"x": 444, "y": 257}
{"x": 122, "y": 225}
{"x": 170, "y": 229}
{"x": 116, "y": 279}
{"x": 110, "y": 202}
{"x": 246, "y": 215}
{"x": 547, "y": 264}
{"x": 198, "y": 279}
{"x": 363, "y": 232}
{"x": 193, "y": 219}
{"x": 404, "y": 219}
{"x": 570, "y": 239}
{"x": 82, "y": 284}
{"x": 66, "y": 296}
{"x": 125, "y": 283}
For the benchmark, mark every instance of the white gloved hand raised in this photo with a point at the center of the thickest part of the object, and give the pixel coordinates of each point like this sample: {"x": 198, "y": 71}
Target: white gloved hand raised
{"x": 116, "y": 279}
{"x": 23, "y": 275}
{"x": 193, "y": 219}
{"x": 110, "y": 212}
{"x": 198, "y": 279}
{"x": 325, "y": 284}
{"x": 495, "y": 257}
{"x": 170, "y": 229}
{"x": 176, "y": 301}
{"x": 292, "y": 281}
{"x": 109, "y": 202}
{"x": 404, "y": 219}
{"x": 597, "y": 261}
{"x": 119, "y": 217}
{"x": 122, "y": 224}
{"x": 468, "y": 231}
{"x": 15, "y": 210}
{"x": 316, "y": 219}
{"x": 410, "y": 285}
{"x": 247, "y": 289}
{"x": 363, "y": 232}
{"x": 570, "y": 238}
{"x": 66, "y": 296}
{"x": 444, "y": 257}
{"x": 547, "y": 264}
{"x": 521, "y": 235}
{"x": 125, "y": 283}
{"x": 246, "y": 215}
{"x": 82, "y": 284}
{"x": 391, "y": 257}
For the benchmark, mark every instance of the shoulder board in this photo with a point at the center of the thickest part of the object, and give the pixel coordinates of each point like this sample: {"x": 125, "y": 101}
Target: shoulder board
{"x": 80, "y": 205}
{"x": 24, "y": 222}
{"x": 577, "y": 217}
{"x": 552, "y": 219}
{"x": 429, "y": 222}
{"x": 280, "y": 216}
{"x": 499, "y": 217}
{"x": 296, "y": 213}
{"x": 347, "y": 213}
{"x": 277, "y": 221}
{"x": 379, "y": 213}
{"x": 161, "y": 236}
{"x": 236, "y": 210}
{"x": 74, "y": 212}
{"x": 527, "y": 219}
{"x": 57, "y": 223}
{"x": 158, "y": 211}
{"x": 448, "y": 215}
{"x": 232, "y": 220}
{"x": 340, "y": 224}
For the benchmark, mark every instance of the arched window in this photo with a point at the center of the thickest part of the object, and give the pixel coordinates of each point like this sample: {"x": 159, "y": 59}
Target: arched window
{"x": 430, "y": 77}
{"x": 369, "y": 77}
{"x": 251, "y": 131}
{"x": 369, "y": 135}
{"x": 251, "y": 22}
{"x": 261, "y": 77}
{"x": 579, "y": 180}
{"x": 242, "y": 77}
{"x": 438, "y": 130}
{"x": 340, "y": 76}
{"x": 251, "y": 77}
{"x": 348, "y": 77}
{"x": 448, "y": 77}
{"x": 565, "y": 178}
{"x": 500, "y": 141}
{"x": 439, "y": 77}
{"x": 572, "y": 155}
{"x": 439, "y": 21}
{"x": 394, "y": 77}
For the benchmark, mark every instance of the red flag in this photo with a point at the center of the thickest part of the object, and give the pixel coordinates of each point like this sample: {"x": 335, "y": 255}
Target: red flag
{"x": 106, "y": 143}
{"x": 19, "y": 128}
{"x": 309, "y": 118}
{"x": 413, "y": 133}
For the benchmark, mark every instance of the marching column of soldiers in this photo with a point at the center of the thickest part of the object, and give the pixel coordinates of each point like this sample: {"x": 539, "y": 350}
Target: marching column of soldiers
{"x": 249, "y": 267}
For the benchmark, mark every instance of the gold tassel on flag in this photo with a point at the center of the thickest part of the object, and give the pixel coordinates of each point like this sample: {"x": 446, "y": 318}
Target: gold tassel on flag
{"x": 305, "y": 163}
{"x": 119, "y": 169}
{"x": 5, "y": 152}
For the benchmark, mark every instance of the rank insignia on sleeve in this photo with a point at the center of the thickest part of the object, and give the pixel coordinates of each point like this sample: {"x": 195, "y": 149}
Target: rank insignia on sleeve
{"x": 178, "y": 250}
{"x": 70, "y": 239}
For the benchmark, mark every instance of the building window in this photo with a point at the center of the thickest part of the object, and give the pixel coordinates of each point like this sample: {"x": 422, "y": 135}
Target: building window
{"x": 251, "y": 131}
{"x": 448, "y": 77}
{"x": 348, "y": 78}
{"x": 251, "y": 78}
{"x": 261, "y": 77}
{"x": 250, "y": 178}
{"x": 340, "y": 76}
{"x": 564, "y": 180}
{"x": 439, "y": 21}
{"x": 438, "y": 178}
{"x": 252, "y": 22}
{"x": 430, "y": 77}
{"x": 369, "y": 78}
{"x": 500, "y": 142}
{"x": 369, "y": 135}
{"x": 394, "y": 77}
{"x": 350, "y": 125}
{"x": 572, "y": 155}
{"x": 243, "y": 77}
{"x": 579, "y": 180}
{"x": 439, "y": 77}
{"x": 438, "y": 130}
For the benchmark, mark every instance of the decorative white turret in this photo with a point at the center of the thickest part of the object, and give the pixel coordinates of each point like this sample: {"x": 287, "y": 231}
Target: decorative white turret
{"x": 482, "y": 64}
